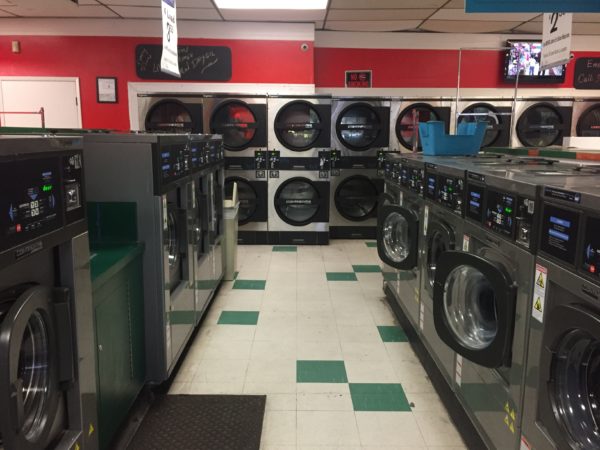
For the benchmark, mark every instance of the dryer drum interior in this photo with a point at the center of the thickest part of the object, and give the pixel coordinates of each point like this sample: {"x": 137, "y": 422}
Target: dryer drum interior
{"x": 358, "y": 126}
{"x": 356, "y": 198}
{"x": 485, "y": 113}
{"x": 589, "y": 123}
{"x": 540, "y": 126}
{"x": 297, "y": 201}
{"x": 408, "y": 120}
{"x": 298, "y": 125}
{"x": 169, "y": 116}
{"x": 247, "y": 196}
{"x": 236, "y": 122}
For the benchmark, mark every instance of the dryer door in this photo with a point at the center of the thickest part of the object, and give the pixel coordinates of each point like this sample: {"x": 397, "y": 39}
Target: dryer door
{"x": 29, "y": 368}
{"x": 236, "y": 121}
{"x": 359, "y": 126}
{"x": 569, "y": 388}
{"x": 474, "y": 308}
{"x": 483, "y": 112}
{"x": 397, "y": 236}
{"x": 589, "y": 122}
{"x": 407, "y": 124}
{"x": 251, "y": 205}
{"x": 299, "y": 124}
{"x": 541, "y": 125}
{"x": 356, "y": 198}
{"x": 170, "y": 116}
{"x": 298, "y": 201}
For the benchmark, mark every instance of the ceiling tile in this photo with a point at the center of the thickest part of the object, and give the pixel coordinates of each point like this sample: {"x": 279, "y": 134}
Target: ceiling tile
{"x": 202, "y": 4}
{"x": 298, "y": 15}
{"x": 373, "y": 25}
{"x": 459, "y": 14}
{"x": 468, "y": 26}
{"x": 5, "y": 14}
{"x": 586, "y": 28}
{"x": 530, "y": 28}
{"x": 7, "y": 2}
{"x": 587, "y": 18}
{"x": 379, "y": 14}
{"x": 62, "y": 9}
{"x": 137, "y": 12}
{"x": 386, "y": 4}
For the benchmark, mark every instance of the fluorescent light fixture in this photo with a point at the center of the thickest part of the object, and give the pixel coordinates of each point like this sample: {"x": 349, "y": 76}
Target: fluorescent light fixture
{"x": 271, "y": 4}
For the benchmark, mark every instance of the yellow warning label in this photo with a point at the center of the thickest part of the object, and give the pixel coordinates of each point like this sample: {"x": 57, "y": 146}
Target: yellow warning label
{"x": 540, "y": 281}
{"x": 507, "y": 408}
{"x": 506, "y": 420}
{"x": 76, "y": 446}
{"x": 538, "y": 304}
{"x": 91, "y": 430}
{"x": 511, "y": 427}
{"x": 513, "y": 415}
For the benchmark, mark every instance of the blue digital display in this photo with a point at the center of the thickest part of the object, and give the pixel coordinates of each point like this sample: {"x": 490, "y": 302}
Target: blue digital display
{"x": 165, "y": 154}
{"x": 561, "y": 222}
{"x": 559, "y": 230}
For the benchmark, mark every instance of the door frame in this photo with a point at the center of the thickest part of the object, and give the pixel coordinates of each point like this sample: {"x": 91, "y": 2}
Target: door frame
{"x": 69, "y": 79}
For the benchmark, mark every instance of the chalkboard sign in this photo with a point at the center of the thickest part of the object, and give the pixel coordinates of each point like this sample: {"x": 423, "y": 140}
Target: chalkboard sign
{"x": 197, "y": 63}
{"x": 587, "y": 73}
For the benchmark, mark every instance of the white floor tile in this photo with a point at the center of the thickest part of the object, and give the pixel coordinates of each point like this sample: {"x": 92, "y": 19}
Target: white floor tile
{"x": 370, "y": 372}
{"x": 284, "y": 371}
{"x": 276, "y": 350}
{"x": 263, "y": 387}
{"x": 318, "y": 333}
{"x": 438, "y": 429}
{"x": 279, "y": 428}
{"x": 388, "y": 428}
{"x": 321, "y": 351}
{"x": 221, "y": 371}
{"x": 223, "y": 388}
{"x": 359, "y": 333}
{"x": 323, "y": 388}
{"x": 281, "y": 402}
{"x": 327, "y": 428}
{"x": 364, "y": 351}
{"x": 227, "y": 350}
{"x": 324, "y": 402}
{"x": 286, "y": 333}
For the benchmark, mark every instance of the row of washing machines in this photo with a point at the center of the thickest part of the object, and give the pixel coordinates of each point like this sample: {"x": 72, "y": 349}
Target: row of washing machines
{"x": 48, "y": 375}
{"x": 299, "y": 125}
{"x": 492, "y": 263}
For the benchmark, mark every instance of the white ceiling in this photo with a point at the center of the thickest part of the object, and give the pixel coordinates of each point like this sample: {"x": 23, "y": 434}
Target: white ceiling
{"x": 442, "y": 16}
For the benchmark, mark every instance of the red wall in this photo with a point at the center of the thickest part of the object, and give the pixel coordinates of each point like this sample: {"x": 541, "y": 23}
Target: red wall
{"x": 403, "y": 68}
{"x": 89, "y": 57}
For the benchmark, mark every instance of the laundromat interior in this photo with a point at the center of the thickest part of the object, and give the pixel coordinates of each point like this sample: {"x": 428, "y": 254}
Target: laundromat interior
{"x": 300, "y": 225}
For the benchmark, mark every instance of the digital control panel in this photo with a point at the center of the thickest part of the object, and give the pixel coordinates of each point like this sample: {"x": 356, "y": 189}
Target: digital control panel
{"x": 38, "y": 196}
{"x": 449, "y": 193}
{"x": 591, "y": 247}
{"x": 430, "y": 186}
{"x": 260, "y": 160}
{"x": 500, "y": 212}
{"x": 559, "y": 232}
{"x": 173, "y": 162}
{"x": 475, "y": 202}
{"x": 412, "y": 178}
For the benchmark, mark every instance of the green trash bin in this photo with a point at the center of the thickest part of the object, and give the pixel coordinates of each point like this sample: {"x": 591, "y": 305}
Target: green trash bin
{"x": 230, "y": 216}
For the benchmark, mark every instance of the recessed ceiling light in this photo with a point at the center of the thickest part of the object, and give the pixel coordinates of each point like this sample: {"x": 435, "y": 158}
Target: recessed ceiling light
{"x": 271, "y": 4}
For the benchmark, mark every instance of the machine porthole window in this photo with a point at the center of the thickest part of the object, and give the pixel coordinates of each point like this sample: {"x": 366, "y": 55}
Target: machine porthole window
{"x": 589, "y": 123}
{"x": 540, "y": 126}
{"x": 169, "y": 116}
{"x": 356, "y": 198}
{"x": 247, "y": 197}
{"x": 396, "y": 237}
{"x": 236, "y": 122}
{"x": 298, "y": 126}
{"x": 297, "y": 201}
{"x": 408, "y": 120}
{"x": 485, "y": 113}
{"x": 358, "y": 126}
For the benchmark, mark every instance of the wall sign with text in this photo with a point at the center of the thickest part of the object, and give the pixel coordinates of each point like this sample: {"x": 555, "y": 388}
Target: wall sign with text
{"x": 587, "y": 73}
{"x": 359, "y": 78}
{"x": 532, "y": 6}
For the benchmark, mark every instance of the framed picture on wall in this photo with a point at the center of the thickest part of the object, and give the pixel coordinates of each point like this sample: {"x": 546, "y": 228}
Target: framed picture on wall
{"x": 106, "y": 89}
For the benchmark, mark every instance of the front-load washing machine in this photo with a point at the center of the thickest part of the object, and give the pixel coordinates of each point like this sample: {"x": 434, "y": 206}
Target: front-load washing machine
{"x": 240, "y": 119}
{"x": 298, "y": 203}
{"x": 443, "y": 218}
{"x": 586, "y": 118}
{"x": 153, "y": 172}
{"x": 360, "y": 126}
{"x": 299, "y": 126}
{"x": 496, "y": 112}
{"x": 391, "y": 196}
{"x": 47, "y": 355}
{"x": 170, "y": 113}
{"x": 542, "y": 122}
{"x": 398, "y": 230}
{"x": 561, "y": 407}
{"x": 355, "y": 189}
{"x": 406, "y": 115}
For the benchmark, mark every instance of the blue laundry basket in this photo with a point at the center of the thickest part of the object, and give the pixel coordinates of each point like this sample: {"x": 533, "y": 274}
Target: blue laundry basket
{"x": 467, "y": 141}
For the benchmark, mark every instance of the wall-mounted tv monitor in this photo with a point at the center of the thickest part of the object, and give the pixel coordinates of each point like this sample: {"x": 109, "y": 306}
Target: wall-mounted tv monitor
{"x": 524, "y": 56}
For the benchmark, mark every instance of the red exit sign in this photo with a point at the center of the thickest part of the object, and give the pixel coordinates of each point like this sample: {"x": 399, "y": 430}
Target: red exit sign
{"x": 359, "y": 78}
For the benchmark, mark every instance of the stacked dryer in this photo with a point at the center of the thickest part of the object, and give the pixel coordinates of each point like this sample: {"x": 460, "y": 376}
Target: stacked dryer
{"x": 168, "y": 113}
{"x": 542, "y": 122}
{"x": 359, "y": 137}
{"x": 496, "y": 112}
{"x": 586, "y": 118}
{"x": 298, "y": 168}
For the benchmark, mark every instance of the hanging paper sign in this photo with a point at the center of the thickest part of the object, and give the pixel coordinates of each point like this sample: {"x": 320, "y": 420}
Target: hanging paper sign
{"x": 531, "y": 6}
{"x": 169, "y": 62}
{"x": 556, "y": 43}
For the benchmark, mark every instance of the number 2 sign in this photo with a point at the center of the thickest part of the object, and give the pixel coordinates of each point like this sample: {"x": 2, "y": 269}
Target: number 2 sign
{"x": 556, "y": 44}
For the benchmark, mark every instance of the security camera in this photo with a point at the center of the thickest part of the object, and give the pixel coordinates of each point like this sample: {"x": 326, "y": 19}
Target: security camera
{"x": 304, "y": 47}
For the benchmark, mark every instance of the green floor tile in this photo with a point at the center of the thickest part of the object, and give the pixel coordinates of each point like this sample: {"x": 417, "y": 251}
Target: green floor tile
{"x": 285, "y": 248}
{"x": 371, "y": 244}
{"x": 257, "y": 285}
{"x": 366, "y": 269}
{"x": 378, "y": 397}
{"x": 392, "y": 334}
{"x": 321, "y": 372}
{"x": 341, "y": 276}
{"x": 238, "y": 318}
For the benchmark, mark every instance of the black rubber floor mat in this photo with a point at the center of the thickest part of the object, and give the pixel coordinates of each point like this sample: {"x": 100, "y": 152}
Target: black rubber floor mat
{"x": 202, "y": 422}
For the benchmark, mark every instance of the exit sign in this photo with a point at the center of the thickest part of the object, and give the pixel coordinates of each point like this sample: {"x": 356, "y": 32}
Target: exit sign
{"x": 359, "y": 78}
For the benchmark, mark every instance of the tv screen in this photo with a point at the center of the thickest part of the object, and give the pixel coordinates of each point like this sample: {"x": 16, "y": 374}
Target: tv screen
{"x": 524, "y": 57}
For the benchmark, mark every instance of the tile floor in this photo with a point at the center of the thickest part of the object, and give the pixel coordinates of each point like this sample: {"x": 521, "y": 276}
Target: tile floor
{"x": 309, "y": 327}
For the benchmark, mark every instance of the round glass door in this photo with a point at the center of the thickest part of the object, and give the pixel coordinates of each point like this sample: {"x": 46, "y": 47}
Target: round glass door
{"x": 298, "y": 126}
{"x": 540, "y": 126}
{"x": 483, "y": 112}
{"x": 236, "y": 122}
{"x": 470, "y": 307}
{"x": 408, "y": 121}
{"x": 396, "y": 237}
{"x": 356, "y": 198}
{"x": 576, "y": 375}
{"x": 358, "y": 126}
{"x": 247, "y": 197}
{"x": 169, "y": 116}
{"x": 589, "y": 123}
{"x": 297, "y": 201}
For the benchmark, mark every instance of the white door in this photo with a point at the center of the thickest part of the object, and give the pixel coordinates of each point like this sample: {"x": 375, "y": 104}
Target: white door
{"x": 58, "y": 97}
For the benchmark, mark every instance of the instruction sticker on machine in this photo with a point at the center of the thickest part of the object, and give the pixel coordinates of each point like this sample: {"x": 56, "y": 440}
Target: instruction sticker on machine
{"x": 539, "y": 292}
